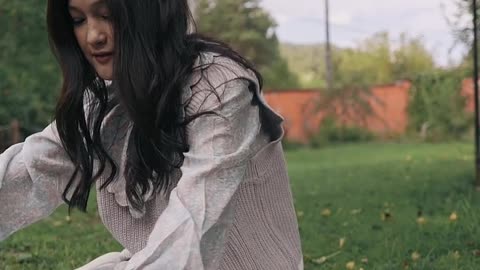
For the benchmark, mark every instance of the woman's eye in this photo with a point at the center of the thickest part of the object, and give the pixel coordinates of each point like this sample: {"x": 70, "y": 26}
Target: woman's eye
{"x": 77, "y": 21}
{"x": 106, "y": 17}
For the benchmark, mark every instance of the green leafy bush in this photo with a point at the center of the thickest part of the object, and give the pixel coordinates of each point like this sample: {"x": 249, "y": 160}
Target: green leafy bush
{"x": 437, "y": 108}
{"x": 330, "y": 132}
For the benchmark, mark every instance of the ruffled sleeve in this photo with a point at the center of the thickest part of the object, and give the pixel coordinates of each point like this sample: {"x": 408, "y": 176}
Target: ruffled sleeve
{"x": 33, "y": 175}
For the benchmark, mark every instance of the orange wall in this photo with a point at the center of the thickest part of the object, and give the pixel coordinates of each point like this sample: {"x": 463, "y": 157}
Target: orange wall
{"x": 390, "y": 109}
{"x": 468, "y": 93}
{"x": 388, "y": 102}
{"x": 296, "y": 106}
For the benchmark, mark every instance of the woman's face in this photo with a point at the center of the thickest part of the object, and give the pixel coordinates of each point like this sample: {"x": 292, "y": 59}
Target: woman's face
{"x": 94, "y": 33}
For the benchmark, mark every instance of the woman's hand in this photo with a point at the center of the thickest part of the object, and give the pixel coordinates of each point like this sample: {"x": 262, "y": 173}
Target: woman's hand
{"x": 109, "y": 261}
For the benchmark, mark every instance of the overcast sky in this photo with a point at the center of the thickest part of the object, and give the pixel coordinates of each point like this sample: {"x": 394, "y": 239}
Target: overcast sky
{"x": 302, "y": 21}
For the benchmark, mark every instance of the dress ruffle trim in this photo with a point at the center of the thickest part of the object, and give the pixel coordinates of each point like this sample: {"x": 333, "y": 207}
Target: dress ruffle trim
{"x": 118, "y": 187}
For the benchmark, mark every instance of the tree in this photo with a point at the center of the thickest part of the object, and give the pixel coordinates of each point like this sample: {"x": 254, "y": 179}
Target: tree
{"x": 249, "y": 29}
{"x": 461, "y": 22}
{"x": 29, "y": 76}
{"x": 411, "y": 58}
{"x": 307, "y": 62}
{"x": 375, "y": 60}
{"x": 437, "y": 109}
{"x": 461, "y": 25}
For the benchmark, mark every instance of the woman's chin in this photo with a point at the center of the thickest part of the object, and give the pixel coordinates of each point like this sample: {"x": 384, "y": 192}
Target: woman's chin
{"x": 105, "y": 73}
{"x": 105, "y": 76}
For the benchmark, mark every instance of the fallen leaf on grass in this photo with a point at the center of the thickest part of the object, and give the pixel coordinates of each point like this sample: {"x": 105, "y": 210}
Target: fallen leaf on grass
{"x": 341, "y": 242}
{"x": 364, "y": 260}
{"x": 320, "y": 260}
{"x": 453, "y": 217}
{"x": 386, "y": 215}
{"x": 323, "y": 259}
{"x": 326, "y": 212}
{"x": 456, "y": 255}
{"x": 421, "y": 221}
{"x": 415, "y": 256}
{"x": 356, "y": 211}
{"x": 21, "y": 257}
{"x": 300, "y": 214}
{"x": 350, "y": 265}
{"x": 57, "y": 223}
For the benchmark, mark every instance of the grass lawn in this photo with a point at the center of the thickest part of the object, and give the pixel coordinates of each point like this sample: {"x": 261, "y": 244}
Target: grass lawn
{"x": 356, "y": 204}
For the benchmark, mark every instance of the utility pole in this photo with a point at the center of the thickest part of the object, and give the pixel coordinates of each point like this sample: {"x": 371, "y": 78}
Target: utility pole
{"x": 475, "y": 83}
{"x": 328, "y": 49}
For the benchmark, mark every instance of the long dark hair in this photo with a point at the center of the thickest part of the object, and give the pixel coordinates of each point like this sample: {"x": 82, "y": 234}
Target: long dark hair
{"x": 155, "y": 55}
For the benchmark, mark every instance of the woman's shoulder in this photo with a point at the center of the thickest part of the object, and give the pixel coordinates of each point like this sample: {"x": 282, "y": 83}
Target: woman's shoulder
{"x": 217, "y": 79}
{"x": 216, "y": 70}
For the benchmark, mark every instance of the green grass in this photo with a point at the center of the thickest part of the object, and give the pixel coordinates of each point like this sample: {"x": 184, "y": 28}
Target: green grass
{"x": 358, "y": 184}
{"x": 58, "y": 242}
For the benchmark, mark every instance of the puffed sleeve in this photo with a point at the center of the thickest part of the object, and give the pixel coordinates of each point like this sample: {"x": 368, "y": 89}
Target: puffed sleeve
{"x": 33, "y": 175}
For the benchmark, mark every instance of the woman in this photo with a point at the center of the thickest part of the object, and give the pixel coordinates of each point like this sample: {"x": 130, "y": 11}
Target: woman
{"x": 183, "y": 151}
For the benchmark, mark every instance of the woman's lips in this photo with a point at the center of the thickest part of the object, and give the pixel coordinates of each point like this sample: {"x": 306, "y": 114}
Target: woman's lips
{"x": 103, "y": 58}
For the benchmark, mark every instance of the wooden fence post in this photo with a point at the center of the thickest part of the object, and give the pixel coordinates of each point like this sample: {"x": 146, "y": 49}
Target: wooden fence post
{"x": 15, "y": 132}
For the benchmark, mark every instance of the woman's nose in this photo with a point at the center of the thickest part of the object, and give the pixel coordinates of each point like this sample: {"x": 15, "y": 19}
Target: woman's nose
{"x": 96, "y": 37}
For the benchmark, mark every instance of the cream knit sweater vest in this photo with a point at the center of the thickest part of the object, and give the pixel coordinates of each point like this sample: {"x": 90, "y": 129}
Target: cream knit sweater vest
{"x": 264, "y": 234}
